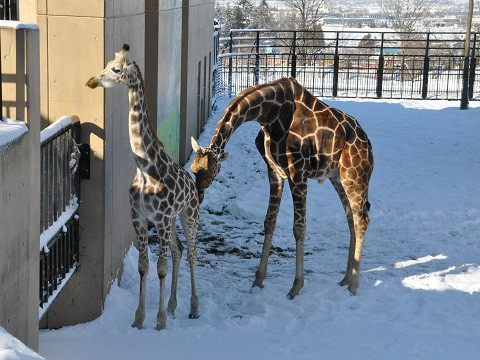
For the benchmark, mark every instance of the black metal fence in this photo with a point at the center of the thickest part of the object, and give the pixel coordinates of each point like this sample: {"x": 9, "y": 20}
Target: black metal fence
{"x": 8, "y": 10}
{"x": 349, "y": 63}
{"x": 59, "y": 199}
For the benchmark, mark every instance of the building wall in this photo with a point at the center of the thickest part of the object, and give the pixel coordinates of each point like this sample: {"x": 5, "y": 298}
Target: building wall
{"x": 70, "y": 36}
{"x": 17, "y": 252}
{"x": 169, "y": 56}
{"x": 171, "y": 40}
{"x": 197, "y": 52}
{"x": 20, "y": 187}
{"x": 124, "y": 23}
{"x": 78, "y": 38}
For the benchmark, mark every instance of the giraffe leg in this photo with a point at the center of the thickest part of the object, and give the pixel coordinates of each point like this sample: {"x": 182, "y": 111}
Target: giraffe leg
{"x": 176, "y": 248}
{"x": 142, "y": 234}
{"x": 276, "y": 190}
{"x": 189, "y": 220}
{"x": 267, "y": 155}
{"x": 164, "y": 236}
{"x": 348, "y": 211}
{"x": 356, "y": 165}
{"x": 299, "y": 195}
{"x": 358, "y": 201}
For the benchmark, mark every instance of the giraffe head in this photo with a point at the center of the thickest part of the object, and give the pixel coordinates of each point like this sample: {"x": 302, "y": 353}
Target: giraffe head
{"x": 206, "y": 166}
{"x": 117, "y": 72}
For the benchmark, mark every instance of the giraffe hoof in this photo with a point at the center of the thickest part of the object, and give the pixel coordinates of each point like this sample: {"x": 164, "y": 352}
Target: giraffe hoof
{"x": 257, "y": 283}
{"x": 353, "y": 287}
{"x": 161, "y": 327}
{"x": 193, "y": 316}
{"x": 292, "y": 294}
{"x": 137, "y": 325}
{"x": 345, "y": 281}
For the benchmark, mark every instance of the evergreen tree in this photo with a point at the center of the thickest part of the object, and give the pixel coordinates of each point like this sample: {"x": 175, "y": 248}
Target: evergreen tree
{"x": 243, "y": 14}
{"x": 262, "y": 19}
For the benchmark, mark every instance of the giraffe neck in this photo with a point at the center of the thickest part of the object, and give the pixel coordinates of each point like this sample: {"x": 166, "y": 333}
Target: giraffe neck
{"x": 142, "y": 136}
{"x": 236, "y": 114}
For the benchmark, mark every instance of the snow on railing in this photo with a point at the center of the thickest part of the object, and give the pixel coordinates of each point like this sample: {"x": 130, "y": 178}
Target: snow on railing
{"x": 44, "y": 307}
{"x": 11, "y": 130}
{"x": 55, "y": 128}
{"x": 59, "y": 198}
{"x": 58, "y": 225}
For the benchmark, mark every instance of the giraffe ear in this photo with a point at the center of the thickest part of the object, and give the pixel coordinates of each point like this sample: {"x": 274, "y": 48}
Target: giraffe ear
{"x": 223, "y": 156}
{"x": 195, "y": 145}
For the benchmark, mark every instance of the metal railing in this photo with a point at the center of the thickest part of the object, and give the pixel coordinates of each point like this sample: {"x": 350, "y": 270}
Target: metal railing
{"x": 349, "y": 63}
{"x": 59, "y": 202}
{"x": 8, "y": 10}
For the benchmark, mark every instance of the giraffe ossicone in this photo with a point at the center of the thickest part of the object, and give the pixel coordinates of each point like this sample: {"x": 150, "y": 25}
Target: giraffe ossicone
{"x": 161, "y": 191}
{"x": 301, "y": 138}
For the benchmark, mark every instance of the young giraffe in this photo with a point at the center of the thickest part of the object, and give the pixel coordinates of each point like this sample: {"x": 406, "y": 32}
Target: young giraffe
{"x": 160, "y": 191}
{"x": 301, "y": 138}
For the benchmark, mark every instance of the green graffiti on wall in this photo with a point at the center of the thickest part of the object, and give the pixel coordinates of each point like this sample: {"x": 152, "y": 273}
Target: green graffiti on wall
{"x": 169, "y": 132}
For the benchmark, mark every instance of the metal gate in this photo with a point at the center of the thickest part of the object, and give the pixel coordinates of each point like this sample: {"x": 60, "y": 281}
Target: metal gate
{"x": 64, "y": 162}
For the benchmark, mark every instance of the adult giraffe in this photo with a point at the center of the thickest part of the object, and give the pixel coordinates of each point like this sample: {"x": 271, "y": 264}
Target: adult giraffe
{"x": 160, "y": 191}
{"x": 301, "y": 138}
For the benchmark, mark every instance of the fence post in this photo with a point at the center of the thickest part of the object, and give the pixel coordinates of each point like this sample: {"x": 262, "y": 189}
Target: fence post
{"x": 257, "y": 59}
{"x": 336, "y": 63}
{"x": 426, "y": 64}
{"x": 294, "y": 56}
{"x": 473, "y": 65}
{"x": 380, "y": 70}
{"x": 230, "y": 65}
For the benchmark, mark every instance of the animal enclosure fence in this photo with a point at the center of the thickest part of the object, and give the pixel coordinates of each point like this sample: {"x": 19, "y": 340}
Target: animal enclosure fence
{"x": 62, "y": 165}
{"x": 349, "y": 63}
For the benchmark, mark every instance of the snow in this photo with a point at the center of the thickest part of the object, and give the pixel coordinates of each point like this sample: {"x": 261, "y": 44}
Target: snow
{"x": 55, "y": 128}
{"x": 51, "y": 298}
{"x": 58, "y": 225}
{"x": 13, "y": 349}
{"x": 11, "y": 130}
{"x": 420, "y": 284}
{"x": 17, "y": 25}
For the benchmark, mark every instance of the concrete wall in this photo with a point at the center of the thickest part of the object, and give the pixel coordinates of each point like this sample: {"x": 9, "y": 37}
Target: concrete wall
{"x": 171, "y": 40}
{"x": 163, "y": 53}
{"x": 20, "y": 187}
{"x": 124, "y": 23}
{"x": 197, "y": 52}
{"x": 78, "y": 38}
{"x": 170, "y": 57}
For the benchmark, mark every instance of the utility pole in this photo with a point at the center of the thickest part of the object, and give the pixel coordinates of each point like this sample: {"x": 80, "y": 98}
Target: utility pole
{"x": 466, "y": 59}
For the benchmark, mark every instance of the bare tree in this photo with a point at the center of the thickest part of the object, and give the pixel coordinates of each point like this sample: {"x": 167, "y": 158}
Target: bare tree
{"x": 308, "y": 12}
{"x": 406, "y": 14}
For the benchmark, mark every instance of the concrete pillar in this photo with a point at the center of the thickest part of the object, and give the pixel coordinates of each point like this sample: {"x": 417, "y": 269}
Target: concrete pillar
{"x": 20, "y": 184}
{"x": 196, "y": 79}
{"x": 77, "y": 39}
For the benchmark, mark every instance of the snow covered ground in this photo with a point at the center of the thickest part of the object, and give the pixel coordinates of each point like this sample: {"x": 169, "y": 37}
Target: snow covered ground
{"x": 13, "y": 349}
{"x": 420, "y": 285}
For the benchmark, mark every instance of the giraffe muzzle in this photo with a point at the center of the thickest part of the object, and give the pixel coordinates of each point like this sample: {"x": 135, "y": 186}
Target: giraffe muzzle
{"x": 92, "y": 83}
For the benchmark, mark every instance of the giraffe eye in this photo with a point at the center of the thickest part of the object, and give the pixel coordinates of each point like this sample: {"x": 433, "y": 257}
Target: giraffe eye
{"x": 116, "y": 70}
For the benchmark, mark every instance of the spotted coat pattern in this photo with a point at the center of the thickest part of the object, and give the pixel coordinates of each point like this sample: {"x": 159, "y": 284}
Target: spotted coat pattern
{"x": 160, "y": 191}
{"x": 301, "y": 138}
